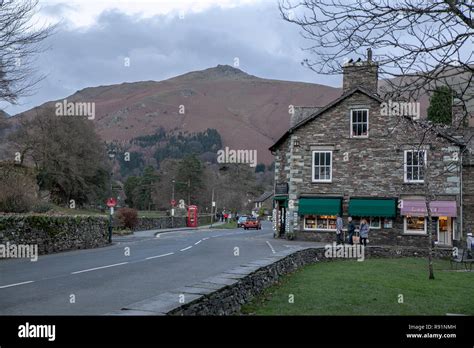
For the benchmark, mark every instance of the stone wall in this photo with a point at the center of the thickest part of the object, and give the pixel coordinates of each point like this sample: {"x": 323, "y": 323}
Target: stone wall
{"x": 54, "y": 233}
{"x": 225, "y": 293}
{"x": 145, "y": 223}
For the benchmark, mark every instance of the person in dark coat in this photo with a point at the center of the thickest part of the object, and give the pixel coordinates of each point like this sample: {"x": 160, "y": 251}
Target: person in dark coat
{"x": 351, "y": 229}
{"x": 339, "y": 232}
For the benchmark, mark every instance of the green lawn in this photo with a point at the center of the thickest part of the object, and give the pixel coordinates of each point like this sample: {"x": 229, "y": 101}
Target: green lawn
{"x": 370, "y": 287}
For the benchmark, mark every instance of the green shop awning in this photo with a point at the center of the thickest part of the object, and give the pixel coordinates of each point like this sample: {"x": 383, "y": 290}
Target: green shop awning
{"x": 283, "y": 200}
{"x": 319, "y": 206}
{"x": 367, "y": 207}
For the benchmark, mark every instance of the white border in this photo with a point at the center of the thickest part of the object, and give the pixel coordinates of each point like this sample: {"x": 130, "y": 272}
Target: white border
{"x": 405, "y": 179}
{"x": 368, "y": 128}
{"x": 312, "y": 165}
{"x": 405, "y": 231}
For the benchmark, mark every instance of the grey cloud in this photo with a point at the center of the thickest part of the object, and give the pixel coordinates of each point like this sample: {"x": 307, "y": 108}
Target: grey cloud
{"x": 162, "y": 47}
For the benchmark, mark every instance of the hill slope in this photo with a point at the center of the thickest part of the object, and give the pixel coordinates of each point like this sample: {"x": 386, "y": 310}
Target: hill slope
{"x": 249, "y": 112}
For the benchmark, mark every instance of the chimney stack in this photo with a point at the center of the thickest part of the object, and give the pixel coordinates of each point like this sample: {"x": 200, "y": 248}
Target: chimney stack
{"x": 363, "y": 74}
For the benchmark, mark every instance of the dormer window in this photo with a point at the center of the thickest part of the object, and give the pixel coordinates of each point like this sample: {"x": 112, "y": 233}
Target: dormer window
{"x": 360, "y": 123}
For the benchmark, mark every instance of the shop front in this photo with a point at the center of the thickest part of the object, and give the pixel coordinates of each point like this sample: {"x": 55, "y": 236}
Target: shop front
{"x": 319, "y": 213}
{"x": 444, "y": 213}
{"x": 379, "y": 212}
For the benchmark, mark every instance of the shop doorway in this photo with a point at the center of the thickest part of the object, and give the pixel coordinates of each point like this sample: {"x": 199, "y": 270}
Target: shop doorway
{"x": 445, "y": 230}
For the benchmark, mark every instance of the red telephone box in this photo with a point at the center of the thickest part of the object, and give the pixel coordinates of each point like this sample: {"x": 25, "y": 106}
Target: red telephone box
{"x": 192, "y": 216}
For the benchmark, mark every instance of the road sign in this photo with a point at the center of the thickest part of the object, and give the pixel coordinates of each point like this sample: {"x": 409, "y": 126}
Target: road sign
{"x": 173, "y": 202}
{"x": 213, "y": 204}
{"x": 111, "y": 202}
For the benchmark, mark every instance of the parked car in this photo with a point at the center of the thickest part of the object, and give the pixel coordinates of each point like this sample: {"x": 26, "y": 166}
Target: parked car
{"x": 240, "y": 222}
{"x": 252, "y": 222}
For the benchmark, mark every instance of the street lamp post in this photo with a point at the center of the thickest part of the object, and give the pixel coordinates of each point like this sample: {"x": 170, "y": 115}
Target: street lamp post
{"x": 172, "y": 207}
{"x": 112, "y": 157}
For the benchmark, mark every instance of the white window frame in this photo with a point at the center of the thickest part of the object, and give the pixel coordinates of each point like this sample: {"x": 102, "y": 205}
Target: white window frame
{"x": 406, "y": 231}
{"x": 351, "y": 129}
{"x": 380, "y": 223}
{"x": 313, "y": 165}
{"x": 405, "y": 165}
{"x": 315, "y": 229}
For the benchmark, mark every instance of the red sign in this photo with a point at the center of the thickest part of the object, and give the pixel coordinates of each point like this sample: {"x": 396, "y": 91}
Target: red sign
{"x": 111, "y": 202}
{"x": 173, "y": 202}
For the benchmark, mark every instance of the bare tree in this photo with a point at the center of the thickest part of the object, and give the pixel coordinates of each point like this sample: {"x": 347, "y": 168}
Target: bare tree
{"x": 421, "y": 44}
{"x": 20, "y": 41}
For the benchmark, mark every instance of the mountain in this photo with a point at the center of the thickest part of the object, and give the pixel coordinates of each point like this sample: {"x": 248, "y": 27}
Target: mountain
{"x": 249, "y": 112}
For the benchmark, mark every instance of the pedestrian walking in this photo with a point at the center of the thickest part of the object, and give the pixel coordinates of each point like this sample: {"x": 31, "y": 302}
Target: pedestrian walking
{"x": 351, "y": 230}
{"x": 364, "y": 232}
{"x": 339, "y": 232}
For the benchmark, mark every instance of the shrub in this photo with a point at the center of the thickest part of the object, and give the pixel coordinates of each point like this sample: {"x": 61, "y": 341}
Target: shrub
{"x": 42, "y": 207}
{"x": 18, "y": 189}
{"x": 128, "y": 217}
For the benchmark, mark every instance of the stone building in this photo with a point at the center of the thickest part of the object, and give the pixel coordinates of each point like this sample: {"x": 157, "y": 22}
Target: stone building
{"x": 263, "y": 203}
{"x": 352, "y": 157}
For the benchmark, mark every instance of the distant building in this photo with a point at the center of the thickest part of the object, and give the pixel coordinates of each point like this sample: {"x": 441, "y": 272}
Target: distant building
{"x": 351, "y": 158}
{"x": 263, "y": 201}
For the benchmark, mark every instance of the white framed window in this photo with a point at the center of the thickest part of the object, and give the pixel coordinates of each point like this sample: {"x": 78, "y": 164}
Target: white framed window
{"x": 322, "y": 166}
{"x": 320, "y": 222}
{"x": 375, "y": 223}
{"x": 414, "y": 224}
{"x": 360, "y": 123}
{"x": 415, "y": 162}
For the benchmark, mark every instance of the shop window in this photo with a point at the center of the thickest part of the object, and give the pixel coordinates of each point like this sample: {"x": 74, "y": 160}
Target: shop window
{"x": 375, "y": 223}
{"x": 321, "y": 222}
{"x": 414, "y": 224}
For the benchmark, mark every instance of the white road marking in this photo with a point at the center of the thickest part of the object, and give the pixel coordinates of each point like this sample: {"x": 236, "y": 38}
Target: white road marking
{"x": 10, "y": 285}
{"x": 96, "y": 268}
{"x": 205, "y": 238}
{"x": 189, "y": 247}
{"x": 199, "y": 241}
{"x": 154, "y": 257}
{"x": 273, "y": 250}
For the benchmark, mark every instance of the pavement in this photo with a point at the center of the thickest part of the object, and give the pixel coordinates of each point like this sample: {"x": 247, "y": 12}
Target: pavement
{"x": 153, "y": 233}
{"x": 135, "y": 268}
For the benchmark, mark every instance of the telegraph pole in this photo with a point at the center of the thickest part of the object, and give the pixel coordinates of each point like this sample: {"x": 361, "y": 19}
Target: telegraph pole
{"x": 189, "y": 192}
{"x": 172, "y": 204}
{"x": 212, "y": 207}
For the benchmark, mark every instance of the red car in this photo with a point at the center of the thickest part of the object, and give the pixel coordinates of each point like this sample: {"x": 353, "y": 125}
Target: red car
{"x": 252, "y": 222}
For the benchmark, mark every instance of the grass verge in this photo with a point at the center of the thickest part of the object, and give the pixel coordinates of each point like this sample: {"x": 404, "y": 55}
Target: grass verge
{"x": 372, "y": 287}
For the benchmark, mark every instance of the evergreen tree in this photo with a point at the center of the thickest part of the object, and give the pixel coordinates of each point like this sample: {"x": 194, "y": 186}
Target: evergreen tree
{"x": 440, "y": 109}
{"x": 189, "y": 181}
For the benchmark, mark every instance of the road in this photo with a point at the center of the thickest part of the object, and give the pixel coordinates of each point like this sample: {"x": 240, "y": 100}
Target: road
{"x": 103, "y": 280}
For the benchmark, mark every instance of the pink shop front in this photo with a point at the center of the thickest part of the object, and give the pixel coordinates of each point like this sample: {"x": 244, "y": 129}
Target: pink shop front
{"x": 444, "y": 214}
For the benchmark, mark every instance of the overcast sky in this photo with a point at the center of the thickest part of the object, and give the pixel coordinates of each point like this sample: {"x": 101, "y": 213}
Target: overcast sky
{"x": 162, "y": 39}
